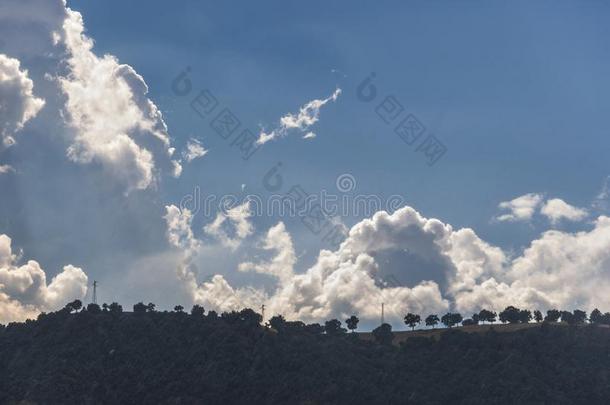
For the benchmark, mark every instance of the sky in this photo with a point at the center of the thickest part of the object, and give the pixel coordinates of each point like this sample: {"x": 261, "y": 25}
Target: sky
{"x": 113, "y": 157}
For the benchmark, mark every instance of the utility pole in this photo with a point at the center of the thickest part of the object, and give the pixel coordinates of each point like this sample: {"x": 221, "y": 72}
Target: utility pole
{"x": 382, "y": 314}
{"x": 94, "y": 292}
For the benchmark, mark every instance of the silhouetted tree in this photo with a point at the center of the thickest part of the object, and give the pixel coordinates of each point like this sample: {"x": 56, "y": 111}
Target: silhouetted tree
{"x": 105, "y": 307}
{"x": 487, "y": 316}
{"x": 231, "y": 317}
{"x": 457, "y": 318}
{"x": 74, "y": 305}
{"x": 197, "y": 311}
{"x": 294, "y": 327}
{"x": 277, "y": 322}
{"x": 383, "y": 334}
{"x": 552, "y": 315}
{"x": 468, "y": 322}
{"x": 412, "y": 320}
{"x": 333, "y": 327}
{"x": 140, "y": 308}
{"x": 115, "y": 308}
{"x": 568, "y": 317}
{"x": 179, "y": 308}
{"x": 475, "y": 319}
{"x": 580, "y": 316}
{"x": 352, "y": 323}
{"x": 525, "y": 315}
{"x": 446, "y": 320}
{"x": 314, "y": 328}
{"x": 596, "y": 316}
{"x": 150, "y": 307}
{"x": 510, "y": 315}
{"x": 574, "y": 318}
{"x": 93, "y": 308}
{"x": 537, "y": 316}
{"x": 212, "y": 314}
{"x": 250, "y": 318}
{"x": 432, "y": 320}
{"x": 451, "y": 319}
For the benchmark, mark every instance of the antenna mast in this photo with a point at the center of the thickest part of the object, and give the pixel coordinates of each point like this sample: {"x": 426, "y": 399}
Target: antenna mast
{"x": 94, "y": 292}
{"x": 263, "y": 312}
{"x": 382, "y": 314}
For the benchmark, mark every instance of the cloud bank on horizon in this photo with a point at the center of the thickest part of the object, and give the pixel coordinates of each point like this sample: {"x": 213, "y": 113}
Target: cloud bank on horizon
{"x": 24, "y": 291}
{"x": 51, "y": 78}
{"x": 558, "y": 270}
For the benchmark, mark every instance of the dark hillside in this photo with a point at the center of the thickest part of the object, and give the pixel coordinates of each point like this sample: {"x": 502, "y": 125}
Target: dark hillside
{"x": 178, "y": 358}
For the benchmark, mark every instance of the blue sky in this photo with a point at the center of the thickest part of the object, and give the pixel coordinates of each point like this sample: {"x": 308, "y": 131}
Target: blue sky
{"x": 517, "y": 92}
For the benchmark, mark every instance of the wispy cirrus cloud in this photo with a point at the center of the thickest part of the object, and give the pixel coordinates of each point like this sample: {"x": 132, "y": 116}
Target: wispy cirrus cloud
{"x": 307, "y": 116}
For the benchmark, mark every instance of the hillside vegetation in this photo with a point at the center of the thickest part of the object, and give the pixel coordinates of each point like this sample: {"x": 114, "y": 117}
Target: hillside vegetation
{"x": 96, "y": 356}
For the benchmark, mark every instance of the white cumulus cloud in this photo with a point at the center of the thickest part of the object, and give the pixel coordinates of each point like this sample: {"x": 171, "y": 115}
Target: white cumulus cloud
{"x": 24, "y": 291}
{"x": 282, "y": 264}
{"x": 237, "y": 219}
{"x": 215, "y": 293}
{"x": 524, "y": 207}
{"x": 17, "y": 101}
{"x": 556, "y": 210}
{"x": 99, "y": 105}
{"x": 463, "y": 272}
{"x": 521, "y": 208}
{"x": 107, "y": 105}
{"x": 340, "y": 283}
{"x": 4, "y": 169}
